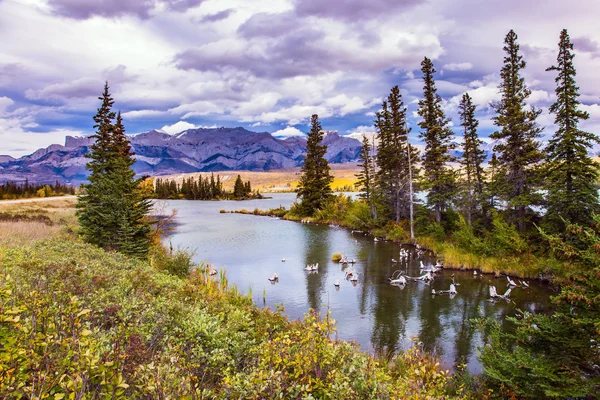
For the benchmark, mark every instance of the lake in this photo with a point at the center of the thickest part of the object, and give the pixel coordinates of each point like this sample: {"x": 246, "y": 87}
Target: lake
{"x": 375, "y": 314}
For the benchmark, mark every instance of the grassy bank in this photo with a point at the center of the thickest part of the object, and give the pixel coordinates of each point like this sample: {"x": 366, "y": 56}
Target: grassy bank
{"x": 78, "y": 322}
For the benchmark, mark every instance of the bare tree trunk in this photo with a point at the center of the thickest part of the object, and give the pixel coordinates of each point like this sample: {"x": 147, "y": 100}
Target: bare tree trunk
{"x": 410, "y": 190}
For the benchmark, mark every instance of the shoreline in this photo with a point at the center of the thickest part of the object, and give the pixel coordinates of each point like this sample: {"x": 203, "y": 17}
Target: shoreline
{"x": 282, "y": 213}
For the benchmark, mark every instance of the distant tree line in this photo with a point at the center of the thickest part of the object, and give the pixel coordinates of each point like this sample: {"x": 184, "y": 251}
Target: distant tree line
{"x": 203, "y": 189}
{"x": 17, "y": 190}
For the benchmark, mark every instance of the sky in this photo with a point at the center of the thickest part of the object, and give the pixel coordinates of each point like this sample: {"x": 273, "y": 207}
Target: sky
{"x": 268, "y": 65}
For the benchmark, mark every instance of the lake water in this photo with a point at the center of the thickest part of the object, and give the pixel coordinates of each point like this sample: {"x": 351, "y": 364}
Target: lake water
{"x": 375, "y": 314}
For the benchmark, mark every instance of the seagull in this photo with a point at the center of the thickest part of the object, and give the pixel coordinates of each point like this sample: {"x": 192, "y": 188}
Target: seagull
{"x": 376, "y": 240}
{"x": 510, "y": 281}
{"x": 337, "y": 283}
{"x": 524, "y": 284}
{"x": 212, "y": 272}
{"x": 274, "y": 278}
{"x": 283, "y": 260}
{"x": 475, "y": 273}
{"x": 354, "y": 277}
{"x": 394, "y": 261}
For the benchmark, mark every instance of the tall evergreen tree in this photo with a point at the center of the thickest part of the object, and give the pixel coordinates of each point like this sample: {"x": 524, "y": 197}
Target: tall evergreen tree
{"x": 517, "y": 146}
{"x": 314, "y": 188}
{"x": 472, "y": 159}
{"x": 239, "y": 189}
{"x": 438, "y": 176}
{"x": 113, "y": 208}
{"x": 571, "y": 173}
{"x": 365, "y": 177}
{"x": 134, "y": 227}
{"x": 393, "y": 156}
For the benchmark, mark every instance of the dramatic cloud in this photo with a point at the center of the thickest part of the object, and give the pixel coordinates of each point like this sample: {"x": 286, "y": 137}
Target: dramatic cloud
{"x": 272, "y": 63}
{"x": 78, "y": 9}
{"x": 352, "y": 10}
{"x": 218, "y": 16}
{"x": 84, "y": 87}
{"x": 587, "y": 45}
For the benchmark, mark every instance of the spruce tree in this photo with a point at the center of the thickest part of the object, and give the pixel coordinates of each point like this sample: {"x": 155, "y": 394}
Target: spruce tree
{"x": 517, "y": 146}
{"x": 438, "y": 176}
{"x": 112, "y": 211}
{"x": 393, "y": 156}
{"x": 472, "y": 159}
{"x": 134, "y": 228}
{"x": 314, "y": 188}
{"x": 239, "y": 189}
{"x": 365, "y": 178}
{"x": 570, "y": 172}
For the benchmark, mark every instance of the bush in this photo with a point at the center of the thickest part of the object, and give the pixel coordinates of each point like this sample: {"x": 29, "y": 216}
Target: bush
{"x": 336, "y": 257}
{"x": 174, "y": 261}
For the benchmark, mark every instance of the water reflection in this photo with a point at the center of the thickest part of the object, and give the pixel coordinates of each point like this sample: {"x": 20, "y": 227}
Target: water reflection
{"x": 379, "y": 316}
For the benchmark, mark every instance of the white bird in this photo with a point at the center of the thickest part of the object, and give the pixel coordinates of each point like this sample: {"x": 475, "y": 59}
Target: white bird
{"x": 401, "y": 280}
{"x": 337, "y": 283}
{"x": 524, "y": 284}
{"x": 475, "y": 273}
{"x": 452, "y": 289}
{"x": 354, "y": 277}
{"x": 394, "y": 261}
{"x": 495, "y": 295}
{"x": 283, "y": 260}
{"x": 510, "y": 281}
{"x": 375, "y": 240}
{"x": 274, "y": 278}
{"x": 213, "y": 272}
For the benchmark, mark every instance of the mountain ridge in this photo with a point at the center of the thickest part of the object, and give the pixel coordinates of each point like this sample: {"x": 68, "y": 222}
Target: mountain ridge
{"x": 192, "y": 150}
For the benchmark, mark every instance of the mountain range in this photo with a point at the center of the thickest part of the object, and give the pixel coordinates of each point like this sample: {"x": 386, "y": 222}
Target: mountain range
{"x": 193, "y": 150}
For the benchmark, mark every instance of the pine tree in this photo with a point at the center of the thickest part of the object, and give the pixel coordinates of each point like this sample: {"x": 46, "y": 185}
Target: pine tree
{"x": 134, "y": 227}
{"x": 393, "y": 177}
{"x": 239, "y": 189}
{"x": 112, "y": 211}
{"x": 517, "y": 146}
{"x": 472, "y": 158}
{"x": 438, "y": 176}
{"x": 314, "y": 187}
{"x": 365, "y": 178}
{"x": 571, "y": 173}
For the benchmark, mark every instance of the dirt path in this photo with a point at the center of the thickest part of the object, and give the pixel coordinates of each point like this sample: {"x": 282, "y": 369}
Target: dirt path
{"x": 36, "y": 199}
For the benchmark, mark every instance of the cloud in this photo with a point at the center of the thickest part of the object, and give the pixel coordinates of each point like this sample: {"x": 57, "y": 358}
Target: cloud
{"x": 288, "y": 131}
{"x": 5, "y": 102}
{"x": 218, "y": 16}
{"x": 178, "y": 127}
{"x": 465, "y": 66}
{"x": 79, "y": 88}
{"x": 352, "y": 10}
{"x": 586, "y": 45}
{"x": 78, "y": 9}
{"x": 138, "y": 114}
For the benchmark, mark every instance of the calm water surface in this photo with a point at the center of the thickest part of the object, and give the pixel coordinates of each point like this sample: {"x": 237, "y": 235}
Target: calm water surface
{"x": 375, "y": 314}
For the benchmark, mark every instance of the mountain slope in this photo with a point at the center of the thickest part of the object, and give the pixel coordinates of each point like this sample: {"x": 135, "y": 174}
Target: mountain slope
{"x": 193, "y": 150}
